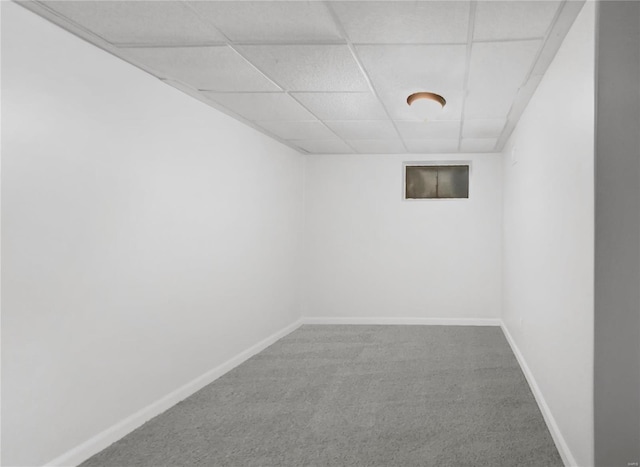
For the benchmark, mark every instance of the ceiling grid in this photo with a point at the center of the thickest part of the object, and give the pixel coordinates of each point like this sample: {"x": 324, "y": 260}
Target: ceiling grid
{"x": 362, "y": 69}
{"x": 333, "y": 76}
{"x": 472, "y": 21}
{"x": 291, "y": 140}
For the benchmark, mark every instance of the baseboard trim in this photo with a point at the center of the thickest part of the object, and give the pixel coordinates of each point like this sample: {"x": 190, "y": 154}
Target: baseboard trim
{"x": 563, "y": 449}
{"x": 405, "y": 321}
{"x": 112, "y": 434}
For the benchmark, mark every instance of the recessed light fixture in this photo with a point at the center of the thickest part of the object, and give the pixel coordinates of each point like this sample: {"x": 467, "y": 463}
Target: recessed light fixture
{"x": 429, "y": 104}
{"x": 427, "y": 95}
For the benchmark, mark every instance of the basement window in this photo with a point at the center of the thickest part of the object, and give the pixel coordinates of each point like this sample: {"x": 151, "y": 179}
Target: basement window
{"x": 436, "y": 181}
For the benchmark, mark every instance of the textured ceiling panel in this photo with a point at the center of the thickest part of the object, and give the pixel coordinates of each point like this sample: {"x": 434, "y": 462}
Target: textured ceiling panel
{"x": 261, "y": 106}
{"x": 334, "y": 76}
{"x": 491, "y": 104}
{"x": 503, "y": 64}
{"x": 298, "y": 130}
{"x": 404, "y": 22}
{"x": 363, "y": 129}
{"x": 324, "y": 146}
{"x": 414, "y": 67}
{"x": 378, "y": 146}
{"x": 281, "y": 21}
{"x": 483, "y": 128}
{"x": 308, "y": 67}
{"x": 139, "y": 22}
{"x": 478, "y": 144}
{"x": 210, "y": 68}
{"x": 343, "y": 105}
{"x": 513, "y": 20}
{"x": 431, "y": 145}
{"x": 435, "y": 130}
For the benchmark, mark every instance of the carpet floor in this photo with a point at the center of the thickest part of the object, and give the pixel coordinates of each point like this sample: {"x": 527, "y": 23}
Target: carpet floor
{"x": 355, "y": 396}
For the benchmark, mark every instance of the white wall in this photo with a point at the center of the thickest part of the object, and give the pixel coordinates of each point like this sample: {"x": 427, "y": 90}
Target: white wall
{"x": 548, "y": 236}
{"x": 147, "y": 238}
{"x": 370, "y": 253}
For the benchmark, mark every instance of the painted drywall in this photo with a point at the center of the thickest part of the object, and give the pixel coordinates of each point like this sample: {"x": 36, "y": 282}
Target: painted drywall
{"x": 369, "y": 253}
{"x": 147, "y": 238}
{"x": 548, "y": 172}
{"x": 617, "y": 236}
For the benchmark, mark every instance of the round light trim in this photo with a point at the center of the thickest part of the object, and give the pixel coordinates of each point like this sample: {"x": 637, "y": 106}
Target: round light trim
{"x": 427, "y": 95}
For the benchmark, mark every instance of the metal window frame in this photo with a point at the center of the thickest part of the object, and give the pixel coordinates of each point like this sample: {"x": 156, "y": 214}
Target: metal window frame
{"x": 436, "y": 163}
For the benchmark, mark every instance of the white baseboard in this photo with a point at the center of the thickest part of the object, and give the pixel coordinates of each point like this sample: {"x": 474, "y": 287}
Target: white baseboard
{"x": 112, "y": 434}
{"x": 405, "y": 321}
{"x": 554, "y": 429}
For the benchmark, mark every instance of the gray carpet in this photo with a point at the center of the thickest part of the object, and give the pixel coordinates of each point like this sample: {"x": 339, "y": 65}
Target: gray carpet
{"x": 355, "y": 396}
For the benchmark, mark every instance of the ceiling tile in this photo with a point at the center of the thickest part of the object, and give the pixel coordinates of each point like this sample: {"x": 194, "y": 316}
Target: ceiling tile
{"x": 130, "y": 22}
{"x": 260, "y": 21}
{"x": 483, "y": 128}
{"x": 301, "y": 47}
{"x": 413, "y": 68}
{"x": 513, "y": 20}
{"x": 478, "y": 144}
{"x": 308, "y": 67}
{"x": 496, "y": 71}
{"x": 363, "y": 129}
{"x": 429, "y": 130}
{"x": 430, "y": 146}
{"x": 404, "y": 22}
{"x": 378, "y": 146}
{"x": 324, "y": 146}
{"x": 342, "y": 105}
{"x": 492, "y": 103}
{"x": 298, "y": 130}
{"x": 261, "y": 106}
{"x": 211, "y": 68}
{"x": 396, "y": 104}
{"x": 503, "y": 64}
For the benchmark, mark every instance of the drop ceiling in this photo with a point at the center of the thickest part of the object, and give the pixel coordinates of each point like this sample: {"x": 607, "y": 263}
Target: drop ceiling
{"x": 333, "y": 77}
